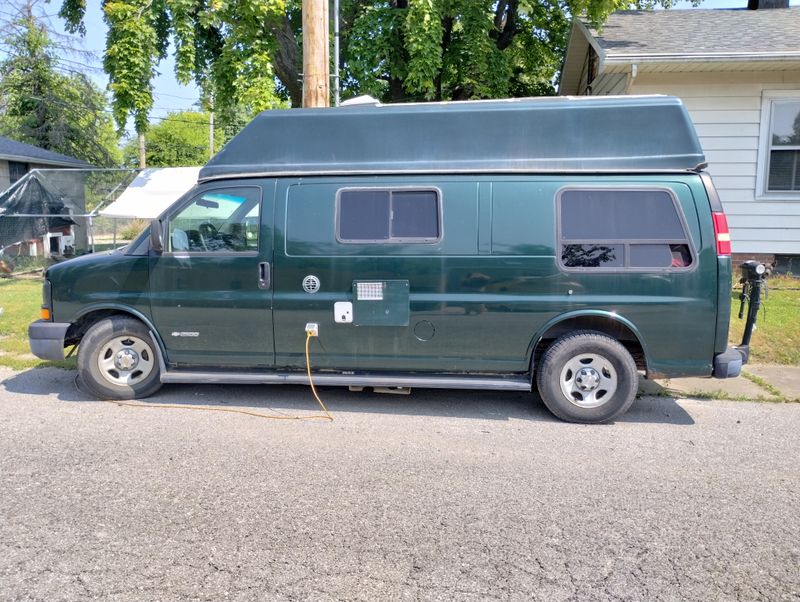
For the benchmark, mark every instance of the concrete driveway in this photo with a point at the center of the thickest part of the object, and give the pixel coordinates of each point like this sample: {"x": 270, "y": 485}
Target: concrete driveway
{"x": 441, "y": 495}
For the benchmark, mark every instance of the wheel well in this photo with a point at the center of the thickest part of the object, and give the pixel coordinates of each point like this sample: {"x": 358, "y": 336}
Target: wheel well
{"x": 614, "y": 329}
{"x": 78, "y": 328}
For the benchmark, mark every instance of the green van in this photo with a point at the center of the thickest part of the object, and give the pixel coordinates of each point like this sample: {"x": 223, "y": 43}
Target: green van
{"x": 562, "y": 244}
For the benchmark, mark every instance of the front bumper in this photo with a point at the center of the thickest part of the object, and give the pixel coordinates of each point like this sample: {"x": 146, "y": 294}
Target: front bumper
{"x": 729, "y": 363}
{"x": 47, "y": 339}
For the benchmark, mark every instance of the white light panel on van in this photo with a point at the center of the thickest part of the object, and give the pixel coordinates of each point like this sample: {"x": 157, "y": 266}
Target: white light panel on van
{"x": 369, "y": 291}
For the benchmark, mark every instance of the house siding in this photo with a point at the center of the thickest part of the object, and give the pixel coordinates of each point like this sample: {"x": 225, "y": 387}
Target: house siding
{"x": 5, "y": 173}
{"x": 5, "y": 176}
{"x": 726, "y": 111}
{"x": 609, "y": 84}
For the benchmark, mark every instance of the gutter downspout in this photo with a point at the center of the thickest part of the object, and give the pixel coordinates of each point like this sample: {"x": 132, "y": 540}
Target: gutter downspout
{"x": 631, "y": 77}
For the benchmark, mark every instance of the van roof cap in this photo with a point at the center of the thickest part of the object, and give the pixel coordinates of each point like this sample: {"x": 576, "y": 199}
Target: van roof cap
{"x": 531, "y": 135}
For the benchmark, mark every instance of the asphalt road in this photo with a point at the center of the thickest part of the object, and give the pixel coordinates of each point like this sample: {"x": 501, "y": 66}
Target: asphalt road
{"x": 437, "y": 496}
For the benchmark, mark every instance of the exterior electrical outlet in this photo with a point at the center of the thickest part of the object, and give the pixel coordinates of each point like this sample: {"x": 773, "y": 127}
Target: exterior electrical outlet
{"x": 343, "y": 312}
{"x": 582, "y": 246}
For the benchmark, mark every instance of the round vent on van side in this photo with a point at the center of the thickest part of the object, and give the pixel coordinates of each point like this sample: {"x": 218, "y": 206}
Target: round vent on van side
{"x": 311, "y": 284}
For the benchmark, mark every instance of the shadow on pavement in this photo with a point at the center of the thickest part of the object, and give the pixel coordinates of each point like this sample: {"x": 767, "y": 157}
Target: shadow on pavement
{"x": 487, "y": 405}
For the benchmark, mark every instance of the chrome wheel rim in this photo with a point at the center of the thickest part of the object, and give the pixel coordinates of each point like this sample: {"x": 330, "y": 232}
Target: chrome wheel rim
{"x": 588, "y": 380}
{"x": 126, "y": 360}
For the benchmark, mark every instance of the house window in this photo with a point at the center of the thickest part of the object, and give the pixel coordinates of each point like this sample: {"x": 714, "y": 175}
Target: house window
{"x": 779, "y": 146}
{"x": 375, "y": 215}
{"x": 622, "y": 229}
{"x": 783, "y": 171}
{"x": 16, "y": 170}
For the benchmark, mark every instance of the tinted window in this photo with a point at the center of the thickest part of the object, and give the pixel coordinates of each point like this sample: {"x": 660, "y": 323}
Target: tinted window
{"x": 364, "y": 214}
{"x": 622, "y": 228}
{"x": 593, "y": 256}
{"x": 619, "y": 215}
{"x": 415, "y": 214}
{"x": 651, "y": 256}
{"x": 388, "y": 216}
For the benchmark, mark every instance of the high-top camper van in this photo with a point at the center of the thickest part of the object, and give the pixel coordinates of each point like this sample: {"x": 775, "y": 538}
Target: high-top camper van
{"x": 560, "y": 245}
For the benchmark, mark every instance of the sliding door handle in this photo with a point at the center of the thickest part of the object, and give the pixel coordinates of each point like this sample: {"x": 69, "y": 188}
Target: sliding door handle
{"x": 263, "y": 275}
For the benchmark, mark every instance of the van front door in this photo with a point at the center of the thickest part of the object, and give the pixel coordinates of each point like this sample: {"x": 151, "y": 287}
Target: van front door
{"x": 211, "y": 293}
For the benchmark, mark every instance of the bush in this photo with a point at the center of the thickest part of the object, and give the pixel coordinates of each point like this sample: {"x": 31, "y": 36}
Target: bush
{"x": 132, "y": 229}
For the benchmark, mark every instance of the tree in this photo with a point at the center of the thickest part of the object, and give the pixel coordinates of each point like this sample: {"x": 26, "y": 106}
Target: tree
{"x": 40, "y": 105}
{"x": 247, "y": 53}
{"x": 229, "y": 47}
{"x": 180, "y": 140}
{"x": 455, "y": 49}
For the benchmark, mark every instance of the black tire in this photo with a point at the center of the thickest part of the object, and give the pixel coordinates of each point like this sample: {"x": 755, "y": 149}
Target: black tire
{"x": 587, "y": 377}
{"x": 129, "y": 366}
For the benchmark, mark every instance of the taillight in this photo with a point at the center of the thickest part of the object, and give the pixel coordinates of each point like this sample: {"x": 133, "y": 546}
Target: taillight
{"x": 721, "y": 233}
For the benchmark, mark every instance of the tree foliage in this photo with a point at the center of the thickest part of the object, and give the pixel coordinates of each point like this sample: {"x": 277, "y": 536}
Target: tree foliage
{"x": 40, "y": 105}
{"x": 180, "y": 140}
{"x": 247, "y": 53}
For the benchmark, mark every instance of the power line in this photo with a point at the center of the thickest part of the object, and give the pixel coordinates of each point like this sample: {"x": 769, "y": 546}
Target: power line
{"x": 55, "y": 60}
{"x": 57, "y": 66}
{"x": 176, "y": 96}
{"x": 110, "y": 111}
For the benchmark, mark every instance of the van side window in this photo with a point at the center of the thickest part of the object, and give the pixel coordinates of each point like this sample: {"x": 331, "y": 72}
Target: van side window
{"x": 380, "y": 215}
{"x": 224, "y": 220}
{"x": 622, "y": 229}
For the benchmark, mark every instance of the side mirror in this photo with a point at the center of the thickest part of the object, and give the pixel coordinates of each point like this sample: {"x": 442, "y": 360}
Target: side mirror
{"x": 156, "y": 237}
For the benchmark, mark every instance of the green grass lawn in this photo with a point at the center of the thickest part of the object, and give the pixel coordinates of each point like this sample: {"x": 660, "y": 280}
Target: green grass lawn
{"x": 775, "y": 341}
{"x": 20, "y": 300}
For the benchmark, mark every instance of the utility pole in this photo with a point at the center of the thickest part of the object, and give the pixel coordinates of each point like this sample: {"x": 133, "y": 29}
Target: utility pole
{"x": 211, "y": 134}
{"x": 211, "y": 126}
{"x": 316, "y": 57}
{"x": 142, "y": 154}
{"x": 336, "y": 79}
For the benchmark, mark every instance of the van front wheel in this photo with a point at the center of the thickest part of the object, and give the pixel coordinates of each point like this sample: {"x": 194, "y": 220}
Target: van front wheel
{"x": 587, "y": 377}
{"x": 117, "y": 359}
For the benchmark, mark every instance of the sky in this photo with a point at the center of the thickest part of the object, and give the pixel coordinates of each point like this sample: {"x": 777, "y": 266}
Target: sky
{"x": 169, "y": 95}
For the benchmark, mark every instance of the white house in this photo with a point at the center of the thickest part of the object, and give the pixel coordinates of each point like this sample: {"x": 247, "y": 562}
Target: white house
{"x": 738, "y": 73}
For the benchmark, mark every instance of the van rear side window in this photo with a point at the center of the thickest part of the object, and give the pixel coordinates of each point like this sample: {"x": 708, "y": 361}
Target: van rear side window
{"x": 388, "y": 216}
{"x": 619, "y": 229}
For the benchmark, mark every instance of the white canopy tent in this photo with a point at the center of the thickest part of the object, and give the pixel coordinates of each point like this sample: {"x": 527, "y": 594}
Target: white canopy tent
{"x": 152, "y": 191}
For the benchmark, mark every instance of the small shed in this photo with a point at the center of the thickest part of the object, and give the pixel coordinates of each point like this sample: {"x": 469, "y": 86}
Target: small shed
{"x": 35, "y": 213}
{"x": 27, "y": 200}
{"x": 18, "y": 158}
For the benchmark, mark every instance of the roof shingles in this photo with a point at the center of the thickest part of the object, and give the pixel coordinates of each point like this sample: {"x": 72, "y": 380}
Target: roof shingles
{"x": 698, "y": 31}
{"x": 19, "y": 151}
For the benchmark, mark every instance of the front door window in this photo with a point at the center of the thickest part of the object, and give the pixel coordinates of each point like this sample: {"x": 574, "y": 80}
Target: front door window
{"x": 224, "y": 220}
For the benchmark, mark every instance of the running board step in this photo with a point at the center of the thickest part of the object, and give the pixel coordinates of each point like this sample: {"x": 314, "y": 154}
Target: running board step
{"x": 519, "y": 383}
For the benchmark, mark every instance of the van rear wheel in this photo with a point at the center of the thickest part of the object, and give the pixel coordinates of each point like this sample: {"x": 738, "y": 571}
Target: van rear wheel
{"x": 587, "y": 377}
{"x": 117, "y": 359}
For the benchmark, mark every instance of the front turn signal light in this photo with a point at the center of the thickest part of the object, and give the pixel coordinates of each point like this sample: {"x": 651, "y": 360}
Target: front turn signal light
{"x": 44, "y": 313}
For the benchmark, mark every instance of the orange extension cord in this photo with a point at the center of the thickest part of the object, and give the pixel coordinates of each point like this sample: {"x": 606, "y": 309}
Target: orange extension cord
{"x": 326, "y": 415}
